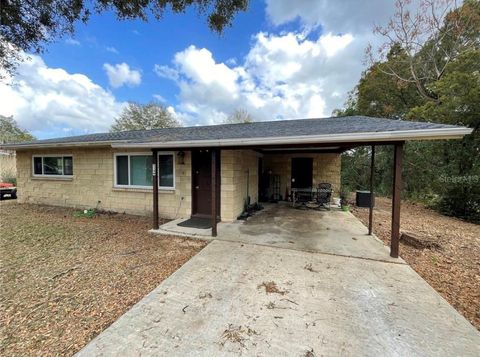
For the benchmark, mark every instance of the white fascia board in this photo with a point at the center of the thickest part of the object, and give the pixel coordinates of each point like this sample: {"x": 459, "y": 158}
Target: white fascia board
{"x": 422, "y": 134}
{"x": 59, "y": 145}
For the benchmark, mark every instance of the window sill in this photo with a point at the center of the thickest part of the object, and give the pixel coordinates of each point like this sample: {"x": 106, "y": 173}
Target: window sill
{"x": 144, "y": 190}
{"x": 52, "y": 178}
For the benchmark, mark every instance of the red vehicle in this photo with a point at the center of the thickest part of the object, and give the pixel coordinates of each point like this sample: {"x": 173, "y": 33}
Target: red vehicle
{"x": 7, "y": 189}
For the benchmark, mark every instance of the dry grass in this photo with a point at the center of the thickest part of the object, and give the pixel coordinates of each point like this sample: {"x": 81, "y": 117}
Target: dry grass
{"x": 453, "y": 269}
{"x": 65, "y": 279}
{"x": 271, "y": 288}
{"x": 237, "y": 334}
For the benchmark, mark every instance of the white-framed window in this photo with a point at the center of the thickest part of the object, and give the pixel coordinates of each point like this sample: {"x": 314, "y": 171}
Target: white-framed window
{"x": 135, "y": 170}
{"x": 52, "y": 165}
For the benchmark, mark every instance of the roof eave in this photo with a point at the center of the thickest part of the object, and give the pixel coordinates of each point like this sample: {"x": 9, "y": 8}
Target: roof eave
{"x": 21, "y": 146}
{"x": 386, "y": 136}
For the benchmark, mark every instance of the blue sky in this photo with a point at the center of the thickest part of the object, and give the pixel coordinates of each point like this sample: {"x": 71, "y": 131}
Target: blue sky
{"x": 144, "y": 44}
{"x": 280, "y": 59}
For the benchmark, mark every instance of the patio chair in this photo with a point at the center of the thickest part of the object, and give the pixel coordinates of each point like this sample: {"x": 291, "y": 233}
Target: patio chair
{"x": 324, "y": 194}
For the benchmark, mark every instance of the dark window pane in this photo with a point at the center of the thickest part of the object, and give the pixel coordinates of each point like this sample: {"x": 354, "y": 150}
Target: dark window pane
{"x": 67, "y": 165}
{"x": 165, "y": 167}
{"x": 141, "y": 170}
{"x": 52, "y": 166}
{"x": 37, "y": 165}
{"x": 122, "y": 170}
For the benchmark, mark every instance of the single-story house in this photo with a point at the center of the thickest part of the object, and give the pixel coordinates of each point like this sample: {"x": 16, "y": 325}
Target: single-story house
{"x": 170, "y": 172}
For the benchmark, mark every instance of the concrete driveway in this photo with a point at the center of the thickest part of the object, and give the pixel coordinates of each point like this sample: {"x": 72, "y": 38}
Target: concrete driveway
{"x": 236, "y": 299}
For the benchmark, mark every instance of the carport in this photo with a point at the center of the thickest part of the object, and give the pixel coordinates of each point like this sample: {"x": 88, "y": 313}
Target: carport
{"x": 334, "y": 135}
{"x": 279, "y": 225}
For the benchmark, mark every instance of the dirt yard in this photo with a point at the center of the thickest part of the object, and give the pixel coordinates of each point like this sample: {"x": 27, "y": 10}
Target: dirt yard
{"x": 64, "y": 279}
{"x": 453, "y": 268}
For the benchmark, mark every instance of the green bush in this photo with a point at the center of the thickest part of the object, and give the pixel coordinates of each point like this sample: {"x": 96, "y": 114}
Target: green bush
{"x": 10, "y": 179}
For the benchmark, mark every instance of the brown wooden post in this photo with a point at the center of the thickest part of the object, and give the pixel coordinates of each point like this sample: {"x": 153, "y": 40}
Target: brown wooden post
{"x": 370, "y": 213}
{"x": 214, "y": 193}
{"x": 155, "y": 187}
{"x": 396, "y": 200}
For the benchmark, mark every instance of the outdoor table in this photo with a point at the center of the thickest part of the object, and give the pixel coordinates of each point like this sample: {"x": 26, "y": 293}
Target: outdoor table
{"x": 311, "y": 193}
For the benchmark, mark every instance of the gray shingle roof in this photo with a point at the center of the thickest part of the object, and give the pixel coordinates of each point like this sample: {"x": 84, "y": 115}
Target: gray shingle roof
{"x": 266, "y": 129}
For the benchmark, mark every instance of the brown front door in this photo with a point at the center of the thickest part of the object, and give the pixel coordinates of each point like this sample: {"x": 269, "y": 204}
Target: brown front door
{"x": 202, "y": 183}
{"x": 302, "y": 172}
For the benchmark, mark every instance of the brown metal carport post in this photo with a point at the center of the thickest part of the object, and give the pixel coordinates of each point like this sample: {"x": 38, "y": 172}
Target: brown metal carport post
{"x": 397, "y": 187}
{"x": 370, "y": 213}
{"x": 214, "y": 193}
{"x": 155, "y": 187}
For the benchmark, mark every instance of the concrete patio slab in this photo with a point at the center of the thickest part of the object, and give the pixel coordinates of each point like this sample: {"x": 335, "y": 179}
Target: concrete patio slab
{"x": 236, "y": 299}
{"x": 280, "y": 225}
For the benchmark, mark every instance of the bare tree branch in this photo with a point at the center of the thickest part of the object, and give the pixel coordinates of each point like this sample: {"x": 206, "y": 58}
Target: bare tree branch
{"x": 430, "y": 36}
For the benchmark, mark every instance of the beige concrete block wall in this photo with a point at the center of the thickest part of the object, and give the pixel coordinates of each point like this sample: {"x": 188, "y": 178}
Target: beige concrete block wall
{"x": 93, "y": 185}
{"x": 239, "y": 179}
{"x": 93, "y": 181}
{"x": 326, "y": 168}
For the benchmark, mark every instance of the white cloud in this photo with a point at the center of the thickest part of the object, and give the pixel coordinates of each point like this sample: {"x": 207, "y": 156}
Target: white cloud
{"x": 335, "y": 16}
{"x": 303, "y": 73}
{"x": 354, "y": 17}
{"x": 121, "y": 74}
{"x": 73, "y": 42}
{"x": 200, "y": 67}
{"x": 159, "y": 98}
{"x": 52, "y": 102}
{"x": 282, "y": 76}
{"x": 231, "y": 61}
{"x": 171, "y": 110}
{"x": 333, "y": 44}
{"x": 166, "y": 72}
{"x": 112, "y": 49}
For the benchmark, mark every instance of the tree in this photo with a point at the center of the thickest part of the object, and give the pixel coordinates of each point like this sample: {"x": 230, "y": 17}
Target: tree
{"x": 430, "y": 39}
{"x": 459, "y": 103}
{"x": 144, "y": 117}
{"x": 29, "y": 25}
{"x": 10, "y": 132}
{"x": 445, "y": 174}
{"x": 381, "y": 95}
{"x": 239, "y": 116}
